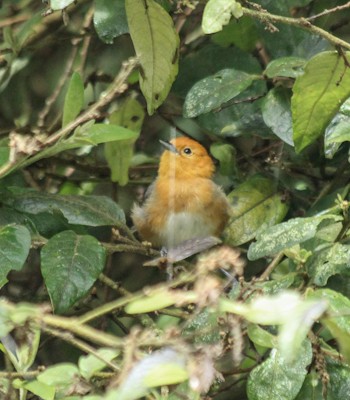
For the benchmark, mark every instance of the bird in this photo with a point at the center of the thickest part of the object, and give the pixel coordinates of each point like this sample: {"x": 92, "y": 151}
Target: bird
{"x": 183, "y": 202}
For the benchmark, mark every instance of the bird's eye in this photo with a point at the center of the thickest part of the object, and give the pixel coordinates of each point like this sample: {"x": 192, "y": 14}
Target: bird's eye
{"x": 187, "y": 151}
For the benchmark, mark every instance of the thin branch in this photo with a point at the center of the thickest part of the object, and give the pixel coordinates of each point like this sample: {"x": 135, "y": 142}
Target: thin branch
{"x": 69, "y": 338}
{"x": 94, "y": 111}
{"x": 53, "y": 97}
{"x": 330, "y": 11}
{"x": 301, "y": 23}
{"x": 273, "y": 264}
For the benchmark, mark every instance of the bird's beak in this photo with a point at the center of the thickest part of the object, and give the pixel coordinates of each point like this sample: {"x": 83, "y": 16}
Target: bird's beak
{"x": 169, "y": 146}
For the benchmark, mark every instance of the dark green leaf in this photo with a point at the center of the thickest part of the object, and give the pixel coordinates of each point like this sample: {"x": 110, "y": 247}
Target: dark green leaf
{"x": 312, "y": 388}
{"x": 282, "y": 236}
{"x": 74, "y": 99}
{"x": 213, "y": 91}
{"x": 289, "y": 67}
{"x": 78, "y": 210}
{"x": 156, "y": 44}
{"x": 70, "y": 265}
{"x": 277, "y": 114}
{"x": 318, "y": 93}
{"x": 210, "y": 59}
{"x": 275, "y": 379}
{"x": 15, "y": 243}
{"x": 254, "y": 204}
{"x": 110, "y": 19}
{"x": 242, "y": 33}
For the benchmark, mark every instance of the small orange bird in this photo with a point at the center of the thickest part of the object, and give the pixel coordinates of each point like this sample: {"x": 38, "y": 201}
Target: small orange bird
{"x": 183, "y": 202}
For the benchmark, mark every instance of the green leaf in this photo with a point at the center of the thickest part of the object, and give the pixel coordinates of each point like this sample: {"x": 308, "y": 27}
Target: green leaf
{"x": 90, "y": 364}
{"x": 217, "y": 13}
{"x": 286, "y": 234}
{"x": 70, "y": 265}
{"x": 156, "y": 44}
{"x": 15, "y": 243}
{"x": 59, "y": 375}
{"x": 261, "y": 337}
{"x": 327, "y": 262}
{"x": 312, "y": 387}
{"x": 242, "y": 33}
{"x": 203, "y": 328}
{"x": 337, "y": 320}
{"x": 277, "y": 114}
{"x": 119, "y": 153}
{"x": 254, "y": 204}
{"x": 213, "y": 91}
{"x": 78, "y": 210}
{"x": 110, "y": 19}
{"x": 101, "y": 133}
{"x": 60, "y": 4}
{"x": 27, "y": 348}
{"x": 40, "y": 389}
{"x": 288, "y": 67}
{"x": 336, "y": 133}
{"x": 74, "y": 100}
{"x": 163, "y": 367}
{"x": 277, "y": 379}
{"x": 318, "y": 93}
{"x": 226, "y": 154}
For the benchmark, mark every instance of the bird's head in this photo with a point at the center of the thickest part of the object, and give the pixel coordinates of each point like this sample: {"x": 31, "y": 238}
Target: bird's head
{"x": 185, "y": 158}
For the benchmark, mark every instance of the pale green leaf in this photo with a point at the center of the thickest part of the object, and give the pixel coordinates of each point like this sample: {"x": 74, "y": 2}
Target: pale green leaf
{"x": 217, "y": 13}
{"x": 277, "y": 379}
{"x": 286, "y": 234}
{"x": 211, "y": 92}
{"x": 61, "y": 374}
{"x": 318, "y": 95}
{"x": 261, "y": 337}
{"x": 289, "y": 67}
{"x": 327, "y": 262}
{"x": 154, "y": 301}
{"x": 90, "y": 364}
{"x": 156, "y": 44}
{"x": 163, "y": 367}
{"x": 60, "y": 4}
{"x": 40, "y": 389}
{"x": 254, "y": 204}
{"x": 74, "y": 99}
{"x": 337, "y": 320}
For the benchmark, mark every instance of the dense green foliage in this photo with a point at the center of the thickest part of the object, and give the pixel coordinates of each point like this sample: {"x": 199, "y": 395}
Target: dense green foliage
{"x": 87, "y": 89}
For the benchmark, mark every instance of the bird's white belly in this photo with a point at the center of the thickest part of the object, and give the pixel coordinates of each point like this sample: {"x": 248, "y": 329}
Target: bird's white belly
{"x": 183, "y": 226}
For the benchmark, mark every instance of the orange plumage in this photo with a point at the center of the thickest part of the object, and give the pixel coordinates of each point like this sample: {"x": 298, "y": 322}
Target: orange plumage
{"x": 184, "y": 203}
